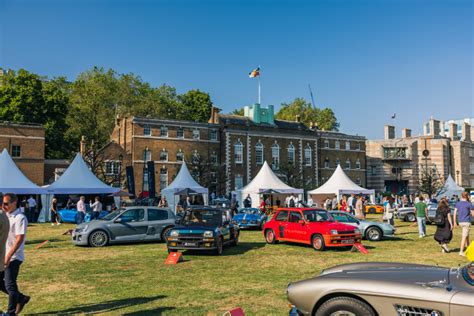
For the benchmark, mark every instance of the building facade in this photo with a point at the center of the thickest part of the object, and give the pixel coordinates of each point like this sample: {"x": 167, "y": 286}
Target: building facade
{"x": 26, "y": 145}
{"x": 226, "y": 153}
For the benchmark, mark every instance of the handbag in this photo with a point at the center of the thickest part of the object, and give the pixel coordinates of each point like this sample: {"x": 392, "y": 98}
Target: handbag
{"x": 439, "y": 219}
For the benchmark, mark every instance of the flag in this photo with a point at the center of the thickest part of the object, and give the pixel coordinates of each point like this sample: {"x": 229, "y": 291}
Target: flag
{"x": 394, "y": 115}
{"x": 255, "y": 73}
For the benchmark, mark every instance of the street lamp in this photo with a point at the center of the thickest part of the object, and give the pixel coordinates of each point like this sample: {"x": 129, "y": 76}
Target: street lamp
{"x": 120, "y": 171}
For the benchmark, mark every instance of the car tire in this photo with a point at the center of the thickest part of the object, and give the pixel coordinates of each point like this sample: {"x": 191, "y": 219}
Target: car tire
{"x": 165, "y": 232}
{"x": 410, "y": 217}
{"x": 270, "y": 237}
{"x": 345, "y": 305}
{"x": 220, "y": 247}
{"x": 317, "y": 241}
{"x": 373, "y": 234}
{"x": 98, "y": 238}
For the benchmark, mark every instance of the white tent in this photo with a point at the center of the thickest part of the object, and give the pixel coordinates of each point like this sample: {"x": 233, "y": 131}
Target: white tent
{"x": 77, "y": 179}
{"x": 183, "y": 180}
{"x": 263, "y": 181}
{"x": 338, "y": 184}
{"x": 12, "y": 180}
{"x": 450, "y": 188}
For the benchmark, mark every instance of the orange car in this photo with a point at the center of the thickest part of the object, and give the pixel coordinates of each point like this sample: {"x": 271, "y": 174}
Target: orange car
{"x": 374, "y": 209}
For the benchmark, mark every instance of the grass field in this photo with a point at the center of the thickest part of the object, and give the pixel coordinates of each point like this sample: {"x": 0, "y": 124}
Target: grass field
{"x": 132, "y": 279}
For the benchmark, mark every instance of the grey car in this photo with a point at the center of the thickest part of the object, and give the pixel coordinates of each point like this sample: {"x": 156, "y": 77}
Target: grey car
{"x": 131, "y": 224}
{"x": 373, "y": 231}
{"x": 385, "y": 289}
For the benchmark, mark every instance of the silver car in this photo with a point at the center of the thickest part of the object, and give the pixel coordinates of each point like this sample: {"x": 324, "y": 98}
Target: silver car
{"x": 131, "y": 224}
{"x": 373, "y": 231}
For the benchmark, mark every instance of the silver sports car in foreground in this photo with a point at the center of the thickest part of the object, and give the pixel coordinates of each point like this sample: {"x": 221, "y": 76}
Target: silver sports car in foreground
{"x": 383, "y": 289}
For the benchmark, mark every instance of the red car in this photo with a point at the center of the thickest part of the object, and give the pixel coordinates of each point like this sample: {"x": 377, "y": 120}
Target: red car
{"x": 310, "y": 226}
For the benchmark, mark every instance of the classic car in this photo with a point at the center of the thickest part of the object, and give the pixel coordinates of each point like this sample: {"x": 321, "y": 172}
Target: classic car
{"x": 406, "y": 214}
{"x": 250, "y": 218}
{"x": 311, "y": 226}
{"x": 383, "y": 289}
{"x": 69, "y": 215}
{"x": 131, "y": 224}
{"x": 373, "y": 231}
{"x": 374, "y": 209}
{"x": 203, "y": 228}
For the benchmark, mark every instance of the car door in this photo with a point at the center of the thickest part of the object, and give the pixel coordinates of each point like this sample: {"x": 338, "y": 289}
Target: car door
{"x": 129, "y": 226}
{"x": 225, "y": 228}
{"x": 157, "y": 220}
{"x": 282, "y": 222}
{"x": 295, "y": 229}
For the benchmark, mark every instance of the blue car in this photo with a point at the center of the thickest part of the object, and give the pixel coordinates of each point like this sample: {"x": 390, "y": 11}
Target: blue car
{"x": 69, "y": 215}
{"x": 250, "y": 218}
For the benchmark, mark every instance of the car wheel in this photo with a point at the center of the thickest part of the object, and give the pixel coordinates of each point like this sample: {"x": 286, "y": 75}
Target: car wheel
{"x": 98, "y": 238}
{"x": 318, "y": 243}
{"x": 270, "y": 236}
{"x": 410, "y": 218}
{"x": 345, "y": 306}
{"x": 220, "y": 247}
{"x": 373, "y": 234}
{"x": 165, "y": 232}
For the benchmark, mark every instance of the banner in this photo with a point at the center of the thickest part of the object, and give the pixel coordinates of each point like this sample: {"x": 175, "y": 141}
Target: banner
{"x": 130, "y": 181}
{"x": 151, "y": 179}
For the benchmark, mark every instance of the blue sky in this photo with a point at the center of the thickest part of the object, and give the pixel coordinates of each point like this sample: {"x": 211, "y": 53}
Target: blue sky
{"x": 364, "y": 59}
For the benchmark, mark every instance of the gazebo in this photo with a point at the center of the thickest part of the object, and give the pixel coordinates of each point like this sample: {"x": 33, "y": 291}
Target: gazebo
{"x": 12, "y": 180}
{"x": 450, "y": 188}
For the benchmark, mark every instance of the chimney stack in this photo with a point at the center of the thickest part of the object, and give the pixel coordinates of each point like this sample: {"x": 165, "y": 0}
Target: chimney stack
{"x": 453, "y": 131}
{"x": 389, "y": 132}
{"x": 466, "y": 132}
{"x": 434, "y": 127}
{"x": 214, "y": 119}
{"x": 82, "y": 147}
{"x": 406, "y": 133}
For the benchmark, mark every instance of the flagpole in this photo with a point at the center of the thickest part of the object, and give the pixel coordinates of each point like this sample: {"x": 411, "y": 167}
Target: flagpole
{"x": 258, "y": 89}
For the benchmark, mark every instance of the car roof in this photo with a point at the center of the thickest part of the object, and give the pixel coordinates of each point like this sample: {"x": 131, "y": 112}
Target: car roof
{"x": 300, "y": 209}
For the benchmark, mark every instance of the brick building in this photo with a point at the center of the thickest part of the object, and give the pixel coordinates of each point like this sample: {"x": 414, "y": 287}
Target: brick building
{"x": 228, "y": 151}
{"x": 26, "y": 145}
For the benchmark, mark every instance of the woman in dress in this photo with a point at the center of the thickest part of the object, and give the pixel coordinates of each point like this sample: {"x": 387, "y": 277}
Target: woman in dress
{"x": 344, "y": 204}
{"x": 444, "y": 230}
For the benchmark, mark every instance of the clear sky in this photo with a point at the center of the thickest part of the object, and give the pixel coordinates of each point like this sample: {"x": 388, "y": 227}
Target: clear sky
{"x": 364, "y": 59}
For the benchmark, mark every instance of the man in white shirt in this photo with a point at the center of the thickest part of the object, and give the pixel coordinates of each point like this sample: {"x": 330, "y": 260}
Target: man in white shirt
{"x": 14, "y": 255}
{"x": 96, "y": 208}
{"x": 32, "y": 209}
{"x": 81, "y": 210}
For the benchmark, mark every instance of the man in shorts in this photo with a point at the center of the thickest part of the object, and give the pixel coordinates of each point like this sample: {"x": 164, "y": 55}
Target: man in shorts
{"x": 462, "y": 214}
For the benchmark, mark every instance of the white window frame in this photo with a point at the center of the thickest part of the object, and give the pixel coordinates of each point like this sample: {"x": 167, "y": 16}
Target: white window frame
{"x": 163, "y": 178}
{"x": 113, "y": 165}
{"x": 337, "y": 145}
{"x": 358, "y": 146}
{"x": 147, "y": 155}
{"x": 308, "y": 156}
{"x": 180, "y": 153}
{"x": 291, "y": 154}
{"x": 275, "y": 156}
{"x": 238, "y": 152}
{"x": 147, "y": 130}
{"x": 164, "y": 151}
{"x": 163, "y": 129}
{"x": 214, "y": 158}
{"x": 348, "y": 145}
{"x": 196, "y": 134}
{"x": 326, "y": 143}
{"x": 238, "y": 182}
{"x": 357, "y": 165}
{"x": 213, "y": 134}
{"x": 259, "y": 148}
{"x": 14, "y": 155}
{"x": 182, "y": 132}
{"x": 326, "y": 163}
{"x": 348, "y": 164}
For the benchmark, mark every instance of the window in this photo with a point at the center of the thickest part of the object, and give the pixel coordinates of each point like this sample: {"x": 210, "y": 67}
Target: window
{"x": 213, "y": 177}
{"x": 373, "y": 170}
{"x": 471, "y": 167}
{"x": 239, "y": 182}
{"x": 337, "y": 145}
{"x": 282, "y": 216}
{"x": 163, "y": 155}
{"x": 145, "y": 179}
{"x": 259, "y": 153}
{"x": 358, "y": 146}
{"x": 326, "y": 163}
{"x": 340, "y": 217}
{"x": 295, "y": 217}
{"x": 395, "y": 153}
{"x": 348, "y": 163}
{"x": 213, "y": 134}
{"x": 307, "y": 155}
{"x": 180, "y": 132}
{"x": 16, "y": 151}
{"x": 214, "y": 158}
{"x": 275, "y": 156}
{"x": 135, "y": 215}
{"x": 147, "y": 130}
{"x": 111, "y": 167}
{"x": 147, "y": 154}
{"x": 291, "y": 154}
{"x": 358, "y": 181}
{"x": 348, "y": 145}
{"x": 196, "y": 134}
{"x": 338, "y": 162}
{"x": 196, "y": 158}
{"x": 326, "y": 143}
{"x": 164, "y": 131}
{"x": 238, "y": 152}
{"x": 357, "y": 164}
{"x": 179, "y": 155}
{"x": 163, "y": 178}
{"x": 157, "y": 215}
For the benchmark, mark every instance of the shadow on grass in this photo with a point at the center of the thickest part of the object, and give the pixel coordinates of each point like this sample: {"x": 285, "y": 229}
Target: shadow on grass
{"x": 242, "y": 248}
{"x": 39, "y": 241}
{"x": 105, "y": 307}
{"x": 155, "y": 311}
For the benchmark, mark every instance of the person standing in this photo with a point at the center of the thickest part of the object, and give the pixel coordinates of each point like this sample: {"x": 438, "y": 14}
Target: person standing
{"x": 96, "y": 208}
{"x": 462, "y": 212}
{"x": 163, "y": 202}
{"x": 350, "y": 205}
{"x": 54, "y": 212}
{"x": 81, "y": 210}
{"x": 344, "y": 204}
{"x": 444, "y": 234}
{"x": 310, "y": 201}
{"x": 248, "y": 201}
{"x": 32, "y": 209}
{"x": 358, "y": 208}
{"x": 388, "y": 211}
{"x": 15, "y": 256}
{"x": 421, "y": 216}
{"x": 334, "y": 203}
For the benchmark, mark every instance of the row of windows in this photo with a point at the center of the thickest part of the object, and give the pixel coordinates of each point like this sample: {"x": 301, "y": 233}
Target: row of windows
{"x": 260, "y": 157}
{"x": 348, "y": 164}
{"x": 179, "y": 132}
{"x": 164, "y": 156}
{"x": 337, "y": 145}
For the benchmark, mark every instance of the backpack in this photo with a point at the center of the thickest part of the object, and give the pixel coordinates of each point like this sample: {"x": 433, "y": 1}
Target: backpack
{"x": 292, "y": 203}
{"x": 439, "y": 219}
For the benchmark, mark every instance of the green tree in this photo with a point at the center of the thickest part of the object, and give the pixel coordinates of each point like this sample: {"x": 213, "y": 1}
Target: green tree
{"x": 27, "y": 98}
{"x": 239, "y": 112}
{"x": 195, "y": 105}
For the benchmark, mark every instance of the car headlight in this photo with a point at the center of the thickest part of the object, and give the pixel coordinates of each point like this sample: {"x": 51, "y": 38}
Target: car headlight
{"x": 174, "y": 233}
{"x": 208, "y": 233}
{"x": 333, "y": 231}
{"x": 83, "y": 229}
{"x": 356, "y": 231}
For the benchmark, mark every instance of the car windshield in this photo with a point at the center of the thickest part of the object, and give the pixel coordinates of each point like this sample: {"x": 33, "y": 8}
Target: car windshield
{"x": 317, "y": 216}
{"x": 468, "y": 273}
{"x": 202, "y": 218}
{"x": 112, "y": 215}
{"x": 249, "y": 211}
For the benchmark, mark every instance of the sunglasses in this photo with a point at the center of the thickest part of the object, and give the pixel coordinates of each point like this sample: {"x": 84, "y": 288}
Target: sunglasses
{"x": 7, "y": 203}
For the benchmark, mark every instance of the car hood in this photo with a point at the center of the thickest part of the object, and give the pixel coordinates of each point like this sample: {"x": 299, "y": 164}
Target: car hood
{"x": 193, "y": 229}
{"x": 333, "y": 225}
{"x": 247, "y": 217}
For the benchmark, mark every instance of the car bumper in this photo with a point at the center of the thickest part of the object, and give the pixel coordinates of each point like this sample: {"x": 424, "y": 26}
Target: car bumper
{"x": 342, "y": 240}
{"x": 80, "y": 239}
{"x": 175, "y": 243}
{"x": 249, "y": 225}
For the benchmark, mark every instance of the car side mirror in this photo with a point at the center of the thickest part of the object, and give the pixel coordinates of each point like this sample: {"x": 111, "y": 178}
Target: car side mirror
{"x": 118, "y": 220}
{"x": 301, "y": 221}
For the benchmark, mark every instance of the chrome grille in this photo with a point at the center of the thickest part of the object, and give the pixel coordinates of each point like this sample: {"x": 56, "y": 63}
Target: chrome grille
{"x": 403, "y": 310}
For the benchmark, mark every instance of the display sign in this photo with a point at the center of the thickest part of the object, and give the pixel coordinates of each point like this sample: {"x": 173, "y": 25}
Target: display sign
{"x": 174, "y": 258}
{"x": 130, "y": 181}
{"x": 360, "y": 248}
{"x": 151, "y": 179}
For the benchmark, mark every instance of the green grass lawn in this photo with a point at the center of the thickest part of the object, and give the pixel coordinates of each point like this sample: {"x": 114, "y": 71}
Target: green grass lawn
{"x": 132, "y": 279}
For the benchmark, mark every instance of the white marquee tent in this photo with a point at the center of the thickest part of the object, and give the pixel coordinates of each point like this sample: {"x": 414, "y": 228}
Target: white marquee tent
{"x": 450, "y": 188}
{"x": 77, "y": 179}
{"x": 265, "y": 180}
{"x": 338, "y": 184}
{"x": 12, "y": 180}
{"x": 183, "y": 180}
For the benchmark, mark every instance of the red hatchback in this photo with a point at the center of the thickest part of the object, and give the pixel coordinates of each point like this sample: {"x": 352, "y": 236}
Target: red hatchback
{"x": 310, "y": 226}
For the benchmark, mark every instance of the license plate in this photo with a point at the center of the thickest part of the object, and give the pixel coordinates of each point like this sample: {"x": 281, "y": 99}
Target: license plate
{"x": 244, "y": 222}
{"x": 190, "y": 244}
{"x": 347, "y": 241}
